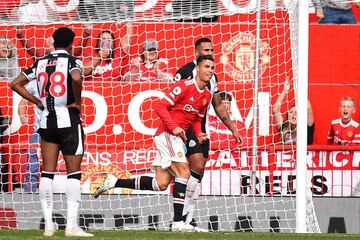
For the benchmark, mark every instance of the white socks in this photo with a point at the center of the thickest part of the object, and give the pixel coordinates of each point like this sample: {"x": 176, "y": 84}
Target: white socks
{"x": 73, "y": 196}
{"x": 190, "y": 189}
{"x": 46, "y": 197}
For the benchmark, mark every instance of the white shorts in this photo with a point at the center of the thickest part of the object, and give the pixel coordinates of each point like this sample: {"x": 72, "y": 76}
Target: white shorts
{"x": 170, "y": 149}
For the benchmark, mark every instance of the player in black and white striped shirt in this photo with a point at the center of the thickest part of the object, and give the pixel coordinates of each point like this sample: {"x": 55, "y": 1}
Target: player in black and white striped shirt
{"x": 59, "y": 80}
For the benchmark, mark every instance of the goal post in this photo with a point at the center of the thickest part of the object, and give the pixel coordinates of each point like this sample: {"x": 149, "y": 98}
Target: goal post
{"x": 257, "y": 45}
{"x": 302, "y": 94}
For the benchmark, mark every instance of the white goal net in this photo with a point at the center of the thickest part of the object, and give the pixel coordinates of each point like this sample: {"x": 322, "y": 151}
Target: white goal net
{"x": 119, "y": 119}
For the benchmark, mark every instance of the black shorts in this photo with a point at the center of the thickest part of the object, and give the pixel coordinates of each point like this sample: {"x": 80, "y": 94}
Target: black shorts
{"x": 70, "y": 140}
{"x": 193, "y": 146}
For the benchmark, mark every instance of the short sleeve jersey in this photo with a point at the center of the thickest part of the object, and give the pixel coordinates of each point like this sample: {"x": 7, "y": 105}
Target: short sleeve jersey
{"x": 54, "y": 83}
{"x": 344, "y": 133}
{"x": 186, "y": 104}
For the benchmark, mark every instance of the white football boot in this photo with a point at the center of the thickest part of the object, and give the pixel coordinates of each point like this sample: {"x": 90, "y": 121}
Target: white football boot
{"x": 107, "y": 184}
{"x": 178, "y": 226}
{"x": 49, "y": 230}
{"x": 77, "y": 232}
{"x": 191, "y": 228}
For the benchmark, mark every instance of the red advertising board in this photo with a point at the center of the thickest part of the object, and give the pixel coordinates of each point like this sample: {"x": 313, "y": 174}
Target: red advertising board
{"x": 119, "y": 119}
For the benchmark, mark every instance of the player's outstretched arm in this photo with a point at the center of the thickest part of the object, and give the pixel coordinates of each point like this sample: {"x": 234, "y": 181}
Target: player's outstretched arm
{"x": 222, "y": 113}
{"x": 127, "y": 39}
{"x": 276, "y": 108}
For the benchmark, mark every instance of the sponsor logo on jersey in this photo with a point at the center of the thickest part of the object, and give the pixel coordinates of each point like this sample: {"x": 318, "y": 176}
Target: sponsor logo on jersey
{"x": 192, "y": 143}
{"x": 189, "y": 108}
{"x": 176, "y": 90}
{"x": 177, "y": 77}
{"x": 96, "y": 173}
{"x": 102, "y": 69}
{"x": 239, "y": 57}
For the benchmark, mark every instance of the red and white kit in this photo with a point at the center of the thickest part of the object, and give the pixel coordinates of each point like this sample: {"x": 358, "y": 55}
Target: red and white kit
{"x": 184, "y": 105}
{"x": 344, "y": 133}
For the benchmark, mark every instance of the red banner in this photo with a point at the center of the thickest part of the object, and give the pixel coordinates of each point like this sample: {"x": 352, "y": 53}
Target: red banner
{"x": 119, "y": 118}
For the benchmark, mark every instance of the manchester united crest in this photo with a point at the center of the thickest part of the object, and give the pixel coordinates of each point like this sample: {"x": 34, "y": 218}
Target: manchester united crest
{"x": 94, "y": 175}
{"x": 204, "y": 102}
{"x": 239, "y": 57}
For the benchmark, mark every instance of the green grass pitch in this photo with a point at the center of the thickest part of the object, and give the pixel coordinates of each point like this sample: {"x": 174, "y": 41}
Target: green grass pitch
{"x": 149, "y": 235}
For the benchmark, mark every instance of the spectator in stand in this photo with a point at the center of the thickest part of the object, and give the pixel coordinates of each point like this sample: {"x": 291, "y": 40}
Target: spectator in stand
{"x": 220, "y": 135}
{"x": 335, "y": 12}
{"x": 190, "y": 10}
{"x": 4, "y": 124}
{"x": 34, "y": 11}
{"x": 345, "y": 130}
{"x": 9, "y": 66}
{"x": 108, "y": 61}
{"x": 106, "y": 10}
{"x": 287, "y": 127}
{"x": 148, "y": 67}
{"x": 32, "y": 169}
{"x": 39, "y": 52}
{"x": 9, "y": 9}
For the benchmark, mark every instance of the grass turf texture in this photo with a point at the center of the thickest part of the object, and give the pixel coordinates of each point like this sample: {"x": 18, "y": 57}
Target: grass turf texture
{"x": 149, "y": 235}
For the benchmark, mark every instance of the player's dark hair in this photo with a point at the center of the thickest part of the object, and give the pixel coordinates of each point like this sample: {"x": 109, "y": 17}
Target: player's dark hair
{"x": 200, "y": 41}
{"x": 203, "y": 58}
{"x": 63, "y": 37}
{"x": 225, "y": 96}
{"x": 98, "y": 42}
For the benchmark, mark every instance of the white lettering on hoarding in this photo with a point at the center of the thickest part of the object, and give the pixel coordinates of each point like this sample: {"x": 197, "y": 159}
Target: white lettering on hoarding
{"x": 134, "y": 111}
{"x": 147, "y": 5}
{"x": 264, "y": 113}
{"x": 341, "y": 162}
{"x": 15, "y": 122}
{"x": 138, "y": 156}
{"x": 356, "y": 160}
{"x": 72, "y": 5}
{"x": 285, "y": 160}
{"x": 233, "y": 8}
{"x": 101, "y": 111}
{"x": 225, "y": 157}
{"x": 96, "y": 158}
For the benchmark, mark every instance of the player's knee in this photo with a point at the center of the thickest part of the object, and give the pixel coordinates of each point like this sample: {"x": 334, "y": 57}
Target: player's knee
{"x": 197, "y": 163}
{"x": 162, "y": 185}
{"x": 183, "y": 171}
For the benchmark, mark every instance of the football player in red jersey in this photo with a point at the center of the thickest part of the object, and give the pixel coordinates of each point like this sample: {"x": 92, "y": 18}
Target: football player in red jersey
{"x": 197, "y": 153}
{"x": 345, "y": 130}
{"x": 182, "y": 107}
